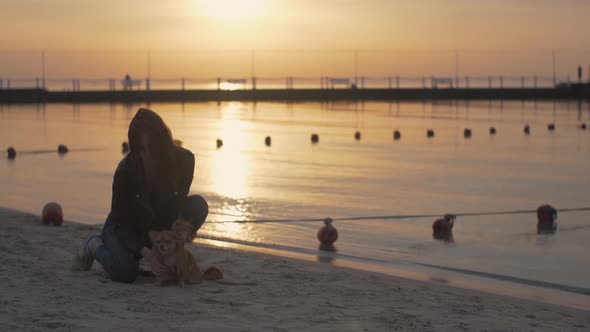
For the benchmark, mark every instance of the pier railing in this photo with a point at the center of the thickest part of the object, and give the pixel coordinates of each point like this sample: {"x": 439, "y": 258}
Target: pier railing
{"x": 289, "y": 82}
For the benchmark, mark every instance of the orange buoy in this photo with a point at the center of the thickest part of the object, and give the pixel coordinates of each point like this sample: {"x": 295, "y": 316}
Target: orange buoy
{"x": 52, "y": 214}
{"x": 442, "y": 228}
{"x": 327, "y": 235}
{"x": 546, "y": 219}
{"x": 11, "y": 152}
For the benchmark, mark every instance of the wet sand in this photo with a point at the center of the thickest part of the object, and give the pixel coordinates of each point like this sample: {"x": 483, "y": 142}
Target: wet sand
{"x": 39, "y": 292}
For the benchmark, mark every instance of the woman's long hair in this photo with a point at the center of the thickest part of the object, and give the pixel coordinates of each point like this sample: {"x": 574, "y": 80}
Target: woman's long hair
{"x": 146, "y": 123}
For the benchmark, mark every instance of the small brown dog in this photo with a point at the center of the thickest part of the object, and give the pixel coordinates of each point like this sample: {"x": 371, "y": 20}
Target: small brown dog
{"x": 170, "y": 250}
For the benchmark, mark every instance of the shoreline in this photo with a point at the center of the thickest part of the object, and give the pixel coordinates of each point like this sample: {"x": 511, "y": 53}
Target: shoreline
{"x": 574, "y": 92}
{"x": 39, "y": 292}
{"x": 527, "y": 289}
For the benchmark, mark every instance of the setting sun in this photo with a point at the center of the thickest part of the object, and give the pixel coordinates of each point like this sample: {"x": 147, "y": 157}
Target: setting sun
{"x": 231, "y": 10}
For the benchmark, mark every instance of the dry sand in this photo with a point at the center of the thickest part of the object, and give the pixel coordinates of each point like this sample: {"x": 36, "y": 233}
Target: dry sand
{"x": 39, "y": 292}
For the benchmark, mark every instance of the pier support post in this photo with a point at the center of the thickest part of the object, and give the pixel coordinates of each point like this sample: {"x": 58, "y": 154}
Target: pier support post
{"x": 535, "y": 81}
{"x": 389, "y": 83}
{"x": 522, "y": 82}
{"x": 362, "y": 82}
{"x": 501, "y": 82}
{"x": 37, "y": 83}
{"x": 397, "y": 82}
{"x": 7, "y": 84}
{"x": 467, "y": 82}
{"x": 74, "y": 85}
{"x": 182, "y": 83}
{"x": 147, "y": 84}
{"x": 490, "y": 82}
{"x": 1, "y": 84}
{"x": 253, "y": 83}
{"x": 219, "y": 83}
{"x": 423, "y": 82}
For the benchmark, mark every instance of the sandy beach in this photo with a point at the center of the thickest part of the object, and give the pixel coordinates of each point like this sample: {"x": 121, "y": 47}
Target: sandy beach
{"x": 38, "y": 292}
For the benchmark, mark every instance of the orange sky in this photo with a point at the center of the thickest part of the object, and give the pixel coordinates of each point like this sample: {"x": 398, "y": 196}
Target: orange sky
{"x": 206, "y": 38}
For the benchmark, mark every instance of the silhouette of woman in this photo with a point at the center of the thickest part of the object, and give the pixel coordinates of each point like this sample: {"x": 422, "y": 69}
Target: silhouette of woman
{"x": 150, "y": 191}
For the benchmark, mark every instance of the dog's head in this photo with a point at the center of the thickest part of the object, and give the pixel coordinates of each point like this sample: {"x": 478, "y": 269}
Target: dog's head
{"x": 184, "y": 227}
{"x": 167, "y": 242}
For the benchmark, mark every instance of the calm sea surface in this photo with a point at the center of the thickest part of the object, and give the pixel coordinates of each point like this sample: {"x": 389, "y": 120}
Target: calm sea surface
{"x": 342, "y": 177}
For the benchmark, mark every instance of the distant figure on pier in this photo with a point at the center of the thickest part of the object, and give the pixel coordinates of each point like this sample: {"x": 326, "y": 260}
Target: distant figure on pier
{"x": 127, "y": 83}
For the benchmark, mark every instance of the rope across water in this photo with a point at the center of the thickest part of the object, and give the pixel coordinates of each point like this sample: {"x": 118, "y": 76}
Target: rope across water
{"x": 391, "y": 217}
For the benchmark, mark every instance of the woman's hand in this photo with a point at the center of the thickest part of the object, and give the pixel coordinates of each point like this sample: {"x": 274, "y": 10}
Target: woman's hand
{"x": 158, "y": 269}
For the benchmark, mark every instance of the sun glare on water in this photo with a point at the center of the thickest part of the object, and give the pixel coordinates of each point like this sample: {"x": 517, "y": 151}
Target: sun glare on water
{"x": 231, "y": 10}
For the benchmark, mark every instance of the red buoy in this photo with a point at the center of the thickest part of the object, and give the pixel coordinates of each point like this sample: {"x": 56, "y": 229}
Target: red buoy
{"x": 124, "y": 147}
{"x": 327, "y": 234}
{"x": 11, "y": 152}
{"x": 52, "y": 214}
{"x": 546, "y": 219}
{"x": 62, "y": 149}
{"x": 315, "y": 138}
{"x": 442, "y": 228}
{"x": 467, "y": 133}
{"x": 527, "y": 129}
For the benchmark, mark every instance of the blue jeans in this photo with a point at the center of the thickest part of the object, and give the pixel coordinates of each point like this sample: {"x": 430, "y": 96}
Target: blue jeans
{"x": 119, "y": 262}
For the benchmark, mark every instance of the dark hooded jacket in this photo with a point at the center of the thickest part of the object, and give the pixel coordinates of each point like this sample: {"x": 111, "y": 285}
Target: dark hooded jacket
{"x": 135, "y": 211}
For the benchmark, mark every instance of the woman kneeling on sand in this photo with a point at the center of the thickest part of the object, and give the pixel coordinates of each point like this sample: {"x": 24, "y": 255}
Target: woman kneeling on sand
{"x": 150, "y": 191}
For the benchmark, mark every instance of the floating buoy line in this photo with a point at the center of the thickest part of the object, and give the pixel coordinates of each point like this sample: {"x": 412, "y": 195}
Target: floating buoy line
{"x": 390, "y": 217}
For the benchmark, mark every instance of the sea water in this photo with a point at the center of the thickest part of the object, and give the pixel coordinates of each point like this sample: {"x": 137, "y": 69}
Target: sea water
{"x": 341, "y": 176}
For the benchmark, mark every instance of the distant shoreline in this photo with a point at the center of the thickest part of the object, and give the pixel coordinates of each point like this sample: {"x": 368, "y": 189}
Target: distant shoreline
{"x": 27, "y": 96}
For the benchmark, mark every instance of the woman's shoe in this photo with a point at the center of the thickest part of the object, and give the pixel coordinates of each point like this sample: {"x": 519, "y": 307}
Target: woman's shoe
{"x": 85, "y": 257}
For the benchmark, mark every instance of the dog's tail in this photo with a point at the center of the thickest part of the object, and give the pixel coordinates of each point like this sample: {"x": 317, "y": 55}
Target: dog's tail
{"x": 212, "y": 273}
